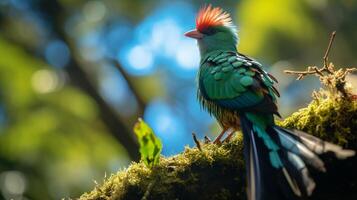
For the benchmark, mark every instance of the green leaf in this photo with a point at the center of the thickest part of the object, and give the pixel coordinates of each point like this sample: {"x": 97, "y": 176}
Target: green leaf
{"x": 150, "y": 145}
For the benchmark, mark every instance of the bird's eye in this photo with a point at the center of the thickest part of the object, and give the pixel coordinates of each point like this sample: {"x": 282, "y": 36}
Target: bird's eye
{"x": 209, "y": 31}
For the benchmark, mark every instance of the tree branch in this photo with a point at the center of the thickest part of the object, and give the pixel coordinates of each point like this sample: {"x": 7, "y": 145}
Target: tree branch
{"x": 141, "y": 102}
{"x": 110, "y": 118}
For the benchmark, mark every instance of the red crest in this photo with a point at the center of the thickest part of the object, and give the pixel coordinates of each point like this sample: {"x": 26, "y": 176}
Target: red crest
{"x": 209, "y": 17}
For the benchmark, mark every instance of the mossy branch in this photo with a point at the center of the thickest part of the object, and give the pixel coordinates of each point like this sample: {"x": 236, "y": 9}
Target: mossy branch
{"x": 217, "y": 172}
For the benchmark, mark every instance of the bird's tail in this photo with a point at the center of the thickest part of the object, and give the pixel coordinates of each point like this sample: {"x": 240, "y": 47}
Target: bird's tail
{"x": 276, "y": 160}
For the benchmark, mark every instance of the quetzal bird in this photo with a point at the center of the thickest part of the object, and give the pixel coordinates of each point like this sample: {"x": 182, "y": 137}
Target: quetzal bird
{"x": 241, "y": 95}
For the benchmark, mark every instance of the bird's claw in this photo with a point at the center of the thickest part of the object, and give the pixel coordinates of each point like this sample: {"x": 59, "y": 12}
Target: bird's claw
{"x": 227, "y": 139}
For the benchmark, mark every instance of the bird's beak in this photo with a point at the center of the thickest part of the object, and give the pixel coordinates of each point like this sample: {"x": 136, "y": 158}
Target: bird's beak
{"x": 194, "y": 34}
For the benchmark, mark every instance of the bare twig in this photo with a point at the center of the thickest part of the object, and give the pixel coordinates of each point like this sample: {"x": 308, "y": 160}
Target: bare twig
{"x": 314, "y": 69}
{"x": 310, "y": 70}
{"x": 196, "y": 141}
{"x": 333, "y": 35}
{"x": 349, "y": 70}
{"x": 333, "y": 79}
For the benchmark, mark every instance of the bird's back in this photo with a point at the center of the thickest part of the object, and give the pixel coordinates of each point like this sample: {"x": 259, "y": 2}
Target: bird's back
{"x": 229, "y": 82}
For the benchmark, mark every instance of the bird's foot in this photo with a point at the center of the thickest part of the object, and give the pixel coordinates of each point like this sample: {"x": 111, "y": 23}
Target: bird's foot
{"x": 229, "y": 137}
{"x": 219, "y": 140}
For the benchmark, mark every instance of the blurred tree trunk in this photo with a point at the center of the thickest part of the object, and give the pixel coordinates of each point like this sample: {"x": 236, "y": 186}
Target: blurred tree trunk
{"x": 54, "y": 13}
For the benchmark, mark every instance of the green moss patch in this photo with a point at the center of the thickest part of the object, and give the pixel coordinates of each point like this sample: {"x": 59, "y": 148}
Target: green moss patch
{"x": 213, "y": 173}
{"x": 332, "y": 119}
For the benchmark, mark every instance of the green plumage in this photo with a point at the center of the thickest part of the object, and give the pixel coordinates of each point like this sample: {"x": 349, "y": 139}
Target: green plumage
{"x": 224, "y": 75}
{"x": 231, "y": 84}
{"x": 228, "y": 83}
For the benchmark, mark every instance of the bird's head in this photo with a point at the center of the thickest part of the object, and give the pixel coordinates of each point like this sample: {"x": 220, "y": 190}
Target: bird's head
{"x": 214, "y": 30}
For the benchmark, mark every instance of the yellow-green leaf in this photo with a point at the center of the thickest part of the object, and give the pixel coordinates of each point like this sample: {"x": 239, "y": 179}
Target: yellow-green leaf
{"x": 150, "y": 145}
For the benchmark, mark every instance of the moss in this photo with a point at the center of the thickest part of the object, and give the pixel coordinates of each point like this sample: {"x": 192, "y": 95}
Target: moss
{"x": 217, "y": 172}
{"x": 213, "y": 173}
{"x": 332, "y": 118}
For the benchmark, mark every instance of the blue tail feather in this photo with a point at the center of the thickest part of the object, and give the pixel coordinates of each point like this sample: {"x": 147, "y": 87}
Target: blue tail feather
{"x": 260, "y": 171}
{"x": 277, "y": 159}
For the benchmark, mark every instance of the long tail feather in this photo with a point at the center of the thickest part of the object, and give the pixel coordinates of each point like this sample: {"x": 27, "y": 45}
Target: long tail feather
{"x": 260, "y": 172}
{"x": 305, "y": 182}
{"x": 319, "y": 146}
{"x": 290, "y": 144}
{"x": 277, "y": 159}
{"x": 252, "y": 164}
{"x": 255, "y": 172}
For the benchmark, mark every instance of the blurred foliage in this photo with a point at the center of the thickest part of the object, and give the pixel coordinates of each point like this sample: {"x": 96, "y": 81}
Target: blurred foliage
{"x": 54, "y": 134}
{"x": 150, "y": 145}
{"x": 297, "y": 31}
{"x": 273, "y": 23}
{"x": 49, "y": 134}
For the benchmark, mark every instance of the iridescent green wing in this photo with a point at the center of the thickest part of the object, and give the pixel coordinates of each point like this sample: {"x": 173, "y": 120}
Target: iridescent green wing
{"x": 233, "y": 81}
{"x": 267, "y": 79}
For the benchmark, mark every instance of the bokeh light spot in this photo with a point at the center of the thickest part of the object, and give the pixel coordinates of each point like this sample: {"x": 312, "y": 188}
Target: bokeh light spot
{"x": 159, "y": 42}
{"x": 57, "y": 53}
{"x": 187, "y": 55}
{"x": 168, "y": 125}
{"x": 94, "y": 11}
{"x": 12, "y": 183}
{"x": 165, "y": 36}
{"x": 45, "y": 81}
{"x": 140, "y": 58}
